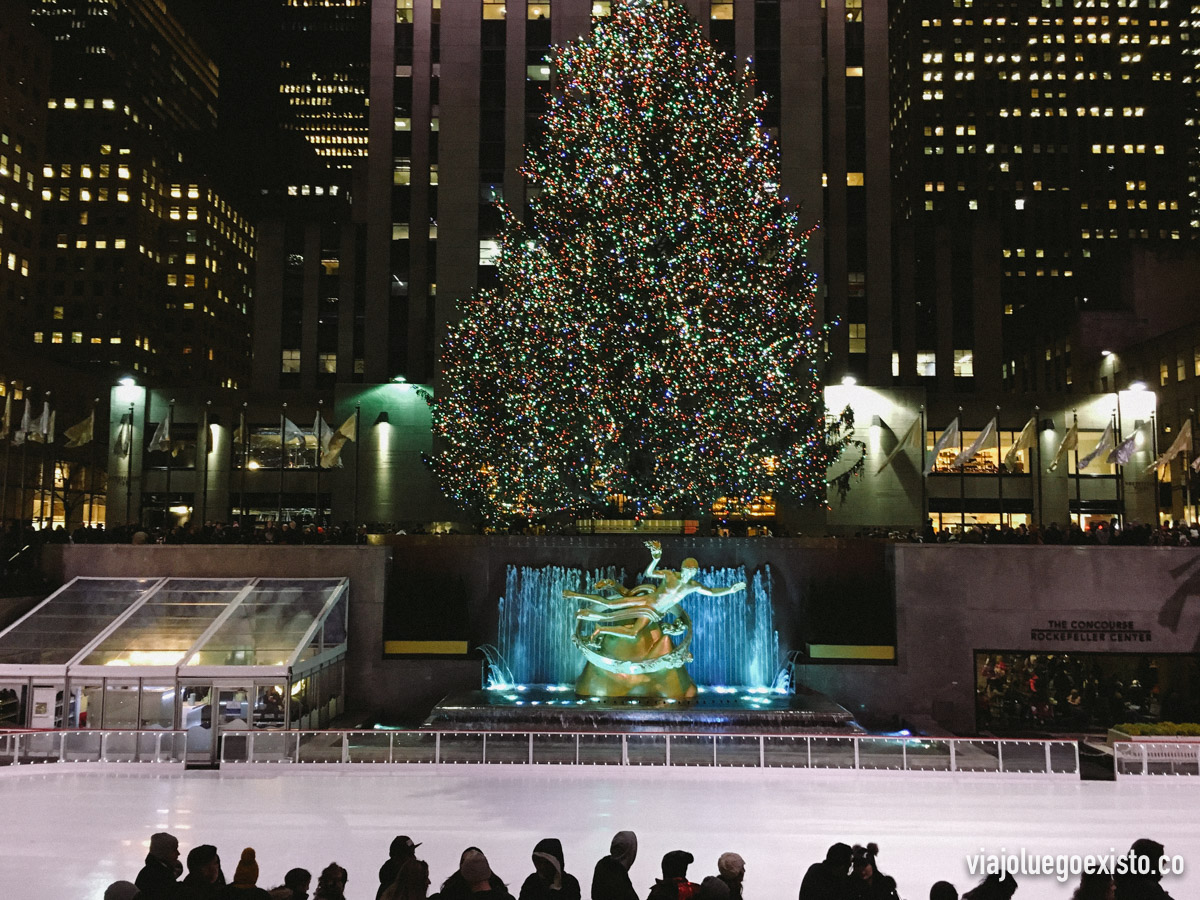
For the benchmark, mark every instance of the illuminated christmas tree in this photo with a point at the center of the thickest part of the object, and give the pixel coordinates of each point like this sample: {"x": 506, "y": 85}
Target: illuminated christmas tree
{"x": 653, "y": 333}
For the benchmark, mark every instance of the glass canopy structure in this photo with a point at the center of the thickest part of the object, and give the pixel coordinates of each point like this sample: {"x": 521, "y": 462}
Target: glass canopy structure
{"x": 201, "y": 654}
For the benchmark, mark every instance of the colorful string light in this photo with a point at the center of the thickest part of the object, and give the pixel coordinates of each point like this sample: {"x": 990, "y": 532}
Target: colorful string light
{"x": 653, "y": 335}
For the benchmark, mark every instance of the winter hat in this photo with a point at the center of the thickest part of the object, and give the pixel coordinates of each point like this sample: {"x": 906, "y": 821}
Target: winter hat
{"x": 675, "y": 863}
{"x": 121, "y": 890}
{"x": 865, "y": 856}
{"x": 200, "y": 857}
{"x": 550, "y": 850}
{"x": 163, "y": 846}
{"x": 402, "y": 847}
{"x": 943, "y": 890}
{"x": 731, "y": 865}
{"x": 1145, "y": 847}
{"x": 624, "y": 848}
{"x": 713, "y": 888}
{"x": 247, "y": 868}
{"x": 474, "y": 867}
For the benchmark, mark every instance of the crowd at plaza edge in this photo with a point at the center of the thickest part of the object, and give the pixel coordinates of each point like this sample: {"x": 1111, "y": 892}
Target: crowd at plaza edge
{"x": 846, "y": 873}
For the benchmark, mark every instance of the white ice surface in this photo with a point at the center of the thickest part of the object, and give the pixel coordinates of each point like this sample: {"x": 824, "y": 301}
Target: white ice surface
{"x": 67, "y": 835}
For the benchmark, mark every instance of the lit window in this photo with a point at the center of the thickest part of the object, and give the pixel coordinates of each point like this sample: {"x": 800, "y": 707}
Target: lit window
{"x": 290, "y": 361}
{"x": 927, "y": 364}
{"x": 857, "y": 333}
{"x": 964, "y": 364}
{"x": 327, "y": 363}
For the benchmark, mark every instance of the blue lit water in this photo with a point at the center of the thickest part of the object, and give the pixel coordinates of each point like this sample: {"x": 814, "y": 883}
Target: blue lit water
{"x": 735, "y": 641}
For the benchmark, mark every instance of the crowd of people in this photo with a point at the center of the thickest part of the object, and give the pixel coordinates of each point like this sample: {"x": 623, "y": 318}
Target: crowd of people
{"x": 846, "y": 873}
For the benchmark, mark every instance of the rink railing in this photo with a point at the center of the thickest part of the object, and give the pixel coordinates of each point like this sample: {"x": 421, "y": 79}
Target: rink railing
{"x": 32, "y": 747}
{"x": 1156, "y": 757}
{"x": 913, "y": 754}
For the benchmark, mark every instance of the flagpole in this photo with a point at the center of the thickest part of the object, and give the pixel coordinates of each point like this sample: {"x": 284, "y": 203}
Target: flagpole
{"x": 170, "y": 448}
{"x": 1187, "y": 473}
{"x": 7, "y": 453}
{"x": 282, "y": 460}
{"x": 129, "y": 475}
{"x": 1078, "y": 490}
{"x": 962, "y": 482}
{"x": 92, "y": 466}
{"x": 245, "y": 459}
{"x": 1037, "y": 445}
{"x": 999, "y": 468}
{"x": 202, "y": 440}
{"x": 357, "y": 424}
{"x": 317, "y": 511}
{"x": 24, "y": 469}
{"x": 924, "y": 482}
{"x": 42, "y": 470}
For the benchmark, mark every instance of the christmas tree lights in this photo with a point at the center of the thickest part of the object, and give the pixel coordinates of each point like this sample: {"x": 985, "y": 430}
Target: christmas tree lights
{"x": 653, "y": 334}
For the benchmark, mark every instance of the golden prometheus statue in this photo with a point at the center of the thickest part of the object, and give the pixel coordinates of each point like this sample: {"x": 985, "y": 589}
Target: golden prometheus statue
{"x": 626, "y": 633}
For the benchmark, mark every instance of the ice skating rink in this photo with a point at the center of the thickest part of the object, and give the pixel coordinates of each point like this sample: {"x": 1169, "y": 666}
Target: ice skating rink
{"x": 68, "y": 834}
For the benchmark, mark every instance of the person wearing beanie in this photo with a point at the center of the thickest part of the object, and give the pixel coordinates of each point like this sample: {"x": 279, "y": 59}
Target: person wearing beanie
{"x": 474, "y": 879}
{"x": 549, "y": 881}
{"x": 943, "y": 890}
{"x": 830, "y": 879}
{"x": 402, "y": 850}
{"x": 159, "y": 878}
{"x": 1133, "y": 886}
{"x": 731, "y": 869}
{"x": 245, "y": 880}
{"x": 204, "y": 880}
{"x": 866, "y": 881}
{"x": 331, "y": 883}
{"x": 121, "y": 890}
{"x": 295, "y": 885}
{"x": 674, "y": 884}
{"x": 714, "y": 888}
{"x": 610, "y": 880}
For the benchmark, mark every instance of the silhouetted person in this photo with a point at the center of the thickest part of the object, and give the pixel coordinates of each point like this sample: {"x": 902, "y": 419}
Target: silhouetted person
{"x": 830, "y": 879}
{"x": 610, "y": 881}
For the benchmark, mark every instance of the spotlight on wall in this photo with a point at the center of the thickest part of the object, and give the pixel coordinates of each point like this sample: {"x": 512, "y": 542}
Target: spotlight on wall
{"x": 1106, "y": 353}
{"x": 127, "y": 381}
{"x": 382, "y": 418}
{"x": 1137, "y": 386}
{"x": 849, "y": 380}
{"x": 399, "y": 379}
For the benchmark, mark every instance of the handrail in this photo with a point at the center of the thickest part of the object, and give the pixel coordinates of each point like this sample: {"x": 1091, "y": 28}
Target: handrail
{"x": 1158, "y": 757}
{"x": 119, "y": 746}
{"x": 807, "y": 751}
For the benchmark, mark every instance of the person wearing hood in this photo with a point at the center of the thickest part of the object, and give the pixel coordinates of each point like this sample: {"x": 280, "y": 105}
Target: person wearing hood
{"x": 204, "y": 880}
{"x": 714, "y": 888}
{"x": 866, "y": 881}
{"x": 245, "y": 880}
{"x": 401, "y": 851}
{"x": 550, "y": 881}
{"x": 477, "y": 878}
{"x": 159, "y": 878}
{"x": 830, "y": 879}
{"x": 610, "y": 880}
{"x": 993, "y": 888}
{"x": 121, "y": 890}
{"x": 674, "y": 884}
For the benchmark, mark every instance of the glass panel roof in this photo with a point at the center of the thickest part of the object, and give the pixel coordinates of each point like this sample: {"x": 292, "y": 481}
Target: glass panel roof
{"x": 268, "y": 626}
{"x": 164, "y": 629}
{"x": 70, "y": 620}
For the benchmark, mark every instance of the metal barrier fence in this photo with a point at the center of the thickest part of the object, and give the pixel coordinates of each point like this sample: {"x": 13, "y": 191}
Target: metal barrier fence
{"x": 1156, "y": 757}
{"x": 915, "y": 754}
{"x": 30, "y": 747}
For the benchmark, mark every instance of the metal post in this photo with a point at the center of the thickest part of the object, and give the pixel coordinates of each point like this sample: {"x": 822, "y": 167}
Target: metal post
{"x": 484, "y": 757}
{"x": 245, "y": 459}
{"x": 808, "y": 743}
{"x": 924, "y": 485}
{"x": 856, "y": 758}
{"x": 170, "y": 453}
{"x": 668, "y": 749}
{"x": 904, "y": 756}
{"x": 962, "y": 482}
{"x": 1037, "y": 446}
{"x": 129, "y": 474}
{"x": 318, "y": 512}
{"x": 437, "y": 747}
{"x": 202, "y": 441}
{"x": 714, "y": 740}
{"x": 762, "y": 757}
{"x": 91, "y": 469}
{"x": 282, "y": 461}
{"x": 1000, "y": 755}
{"x": 1078, "y": 476}
{"x": 1048, "y": 764}
{"x": 357, "y": 423}
{"x": 42, "y": 477}
{"x": 624, "y": 750}
{"x": 953, "y": 762}
{"x": 7, "y": 451}
{"x": 999, "y": 468}
{"x": 531, "y": 748}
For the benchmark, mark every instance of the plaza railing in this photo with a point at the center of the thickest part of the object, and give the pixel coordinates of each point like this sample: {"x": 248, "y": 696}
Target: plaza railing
{"x": 807, "y": 751}
{"x": 21, "y": 748}
{"x": 1132, "y": 758}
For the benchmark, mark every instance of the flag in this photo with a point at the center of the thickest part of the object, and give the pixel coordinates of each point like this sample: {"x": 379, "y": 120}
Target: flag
{"x": 162, "y": 435}
{"x": 26, "y": 423}
{"x": 911, "y": 439}
{"x": 331, "y": 457}
{"x": 292, "y": 432}
{"x": 1181, "y": 444}
{"x": 239, "y": 433}
{"x": 947, "y": 439}
{"x": 6, "y": 423}
{"x": 1070, "y": 442}
{"x": 1025, "y": 440}
{"x": 323, "y": 433}
{"x": 1108, "y": 441}
{"x": 1123, "y": 452}
{"x": 40, "y": 429}
{"x": 976, "y": 445}
{"x": 124, "y": 441}
{"x": 81, "y": 432}
{"x": 50, "y": 432}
